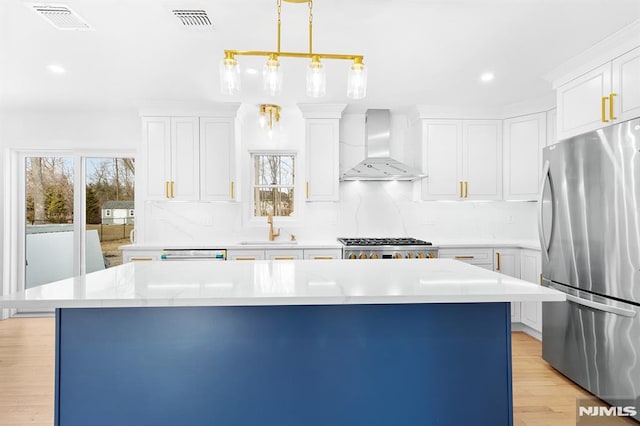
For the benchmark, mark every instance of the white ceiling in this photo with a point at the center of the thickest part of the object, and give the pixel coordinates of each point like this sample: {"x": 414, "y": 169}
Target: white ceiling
{"x": 417, "y": 51}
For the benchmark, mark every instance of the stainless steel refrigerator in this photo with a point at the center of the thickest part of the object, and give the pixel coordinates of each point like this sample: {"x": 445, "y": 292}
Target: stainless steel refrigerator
{"x": 589, "y": 226}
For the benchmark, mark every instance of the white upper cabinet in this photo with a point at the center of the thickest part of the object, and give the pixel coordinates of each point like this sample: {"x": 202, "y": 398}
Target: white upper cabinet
{"x": 601, "y": 97}
{"x": 217, "y": 159}
{"x": 441, "y": 159}
{"x": 170, "y": 147}
{"x": 524, "y": 138}
{"x": 552, "y": 131}
{"x": 185, "y": 169}
{"x": 322, "y": 148}
{"x": 462, "y": 159}
{"x": 626, "y": 85}
{"x": 482, "y": 159}
{"x": 583, "y": 103}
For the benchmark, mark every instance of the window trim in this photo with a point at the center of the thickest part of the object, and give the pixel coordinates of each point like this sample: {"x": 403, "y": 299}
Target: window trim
{"x": 260, "y": 220}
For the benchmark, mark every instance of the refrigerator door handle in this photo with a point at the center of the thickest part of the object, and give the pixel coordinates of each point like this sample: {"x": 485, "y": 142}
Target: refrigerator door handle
{"x": 601, "y": 306}
{"x": 543, "y": 244}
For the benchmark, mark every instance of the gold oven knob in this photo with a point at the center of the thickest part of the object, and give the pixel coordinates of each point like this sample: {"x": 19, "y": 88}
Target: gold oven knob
{"x": 432, "y": 255}
{"x": 352, "y": 255}
{"x": 397, "y": 256}
{"x": 420, "y": 255}
{"x": 373, "y": 256}
{"x": 362, "y": 256}
{"x": 410, "y": 256}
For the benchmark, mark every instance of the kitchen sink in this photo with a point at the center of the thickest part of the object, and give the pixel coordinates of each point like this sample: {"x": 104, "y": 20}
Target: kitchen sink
{"x": 267, "y": 242}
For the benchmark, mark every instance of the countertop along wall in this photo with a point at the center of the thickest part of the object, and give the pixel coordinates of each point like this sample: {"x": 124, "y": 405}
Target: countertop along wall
{"x": 365, "y": 209}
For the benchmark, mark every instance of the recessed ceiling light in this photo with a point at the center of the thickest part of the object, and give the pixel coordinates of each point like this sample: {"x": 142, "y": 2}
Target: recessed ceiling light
{"x": 56, "y": 69}
{"x": 252, "y": 71}
{"x": 486, "y": 77}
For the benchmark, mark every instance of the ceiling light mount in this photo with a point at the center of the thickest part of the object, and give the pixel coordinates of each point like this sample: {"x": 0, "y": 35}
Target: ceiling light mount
{"x": 272, "y": 72}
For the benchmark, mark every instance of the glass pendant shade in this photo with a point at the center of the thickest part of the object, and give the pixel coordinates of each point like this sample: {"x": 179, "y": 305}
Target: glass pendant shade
{"x": 316, "y": 79}
{"x": 272, "y": 76}
{"x": 229, "y": 76}
{"x": 357, "y": 83}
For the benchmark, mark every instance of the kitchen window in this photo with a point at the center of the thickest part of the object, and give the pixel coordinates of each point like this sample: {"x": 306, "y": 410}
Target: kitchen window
{"x": 273, "y": 184}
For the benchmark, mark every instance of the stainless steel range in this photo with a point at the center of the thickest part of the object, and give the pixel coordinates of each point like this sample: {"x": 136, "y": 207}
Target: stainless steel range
{"x": 387, "y": 248}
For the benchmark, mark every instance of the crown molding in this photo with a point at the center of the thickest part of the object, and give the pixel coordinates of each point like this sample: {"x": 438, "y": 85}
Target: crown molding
{"x": 188, "y": 109}
{"x": 609, "y": 48}
{"x": 322, "y": 110}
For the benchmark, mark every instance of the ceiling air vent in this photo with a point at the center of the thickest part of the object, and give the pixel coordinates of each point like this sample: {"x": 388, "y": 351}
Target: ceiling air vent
{"x": 193, "y": 18}
{"x": 60, "y": 16}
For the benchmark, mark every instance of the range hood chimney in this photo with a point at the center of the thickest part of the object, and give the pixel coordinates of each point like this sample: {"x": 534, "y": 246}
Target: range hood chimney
{"x": 378, "y": 164}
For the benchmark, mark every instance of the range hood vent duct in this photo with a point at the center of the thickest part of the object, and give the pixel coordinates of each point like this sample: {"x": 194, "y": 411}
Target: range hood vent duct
{"x": 60, "y": 16}
{"x": 378, "y": 164}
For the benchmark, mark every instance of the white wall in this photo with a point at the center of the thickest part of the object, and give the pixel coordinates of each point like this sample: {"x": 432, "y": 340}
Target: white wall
{"x": 61, "y": 130}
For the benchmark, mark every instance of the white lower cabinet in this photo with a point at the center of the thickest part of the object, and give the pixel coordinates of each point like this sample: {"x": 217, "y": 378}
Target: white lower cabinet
{"x": 245, "y": 255}
{"x": 140, "y": 256}
{"x": 322, "y": 254}
{"x": 507, "y": 261}
{"x": 530, "y": 267}
{"x": 283, "y": 254}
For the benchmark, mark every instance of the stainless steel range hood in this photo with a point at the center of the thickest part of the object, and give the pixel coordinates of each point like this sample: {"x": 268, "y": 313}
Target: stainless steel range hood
{"x": 378, "y": 164}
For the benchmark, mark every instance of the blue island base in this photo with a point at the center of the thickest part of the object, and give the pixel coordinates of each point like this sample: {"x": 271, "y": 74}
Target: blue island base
{"x": 397, "y": 364}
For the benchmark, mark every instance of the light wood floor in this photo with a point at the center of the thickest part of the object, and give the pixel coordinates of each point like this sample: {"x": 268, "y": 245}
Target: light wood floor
{"x": 541, "y": 396}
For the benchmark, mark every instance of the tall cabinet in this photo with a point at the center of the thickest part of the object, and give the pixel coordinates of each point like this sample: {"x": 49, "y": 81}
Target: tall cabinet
{"x": 322, "y": 146}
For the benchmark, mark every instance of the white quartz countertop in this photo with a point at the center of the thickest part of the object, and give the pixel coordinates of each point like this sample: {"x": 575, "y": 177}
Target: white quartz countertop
{"x": 327, "y": 282}
{"x": 474, "y": 243}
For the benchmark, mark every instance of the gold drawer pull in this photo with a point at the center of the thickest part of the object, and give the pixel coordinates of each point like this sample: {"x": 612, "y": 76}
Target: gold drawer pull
{"x": 233, "y": 192}
{"x": 166, "y": 189}
{"x": 461, "y": 190}
{"x": 307, "y": 190}
{"x": 173, "y": 194}
{"x": 611, "y": 116}
{"x": 466, "y": 189}
{"x": 245, "y": 258}
{"x": 498, "y": 267}
{"x": 323, "y": 257}
{"x": 284, "y": 258}
{"x": 134, "y": 259}
{"x": 463, "y": 257}
{"x": 604, "y": 109}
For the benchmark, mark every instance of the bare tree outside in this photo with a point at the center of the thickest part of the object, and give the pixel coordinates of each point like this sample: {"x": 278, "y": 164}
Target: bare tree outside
{"x": 274, "y": 185}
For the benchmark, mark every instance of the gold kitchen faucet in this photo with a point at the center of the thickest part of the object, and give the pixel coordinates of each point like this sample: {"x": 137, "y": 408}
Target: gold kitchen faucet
{"x": 272, "y": 235}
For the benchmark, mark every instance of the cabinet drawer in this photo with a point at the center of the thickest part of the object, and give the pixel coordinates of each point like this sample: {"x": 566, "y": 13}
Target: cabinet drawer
{"x": 245, "y": 255}
{"x": 475, "y": 256}
{"x": 283, "y": 254}
{"x": 321, "y": 254}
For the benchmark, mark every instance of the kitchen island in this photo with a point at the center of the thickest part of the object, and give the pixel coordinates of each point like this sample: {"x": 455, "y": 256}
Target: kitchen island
{"x": 284, "y": 342}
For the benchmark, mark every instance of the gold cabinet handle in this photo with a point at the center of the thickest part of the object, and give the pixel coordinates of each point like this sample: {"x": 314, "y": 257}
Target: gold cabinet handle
{"x": 233, "y": 192}
{"x": 604, "y": 109}
{"x": 244, "y": 258}
{"x": 461, "y": 191}
{"x": 498, "y": 267}
{"x": 173, "y": 194}
{"x": 284, "y": 258}
{"x": 322, "y": 257}
{"x": 166, "y": 189}
{"x": 307, "y": 190}
{"x": 611, "y": 116}
{"x": 136, "y": 259}
{"x": 463, "y": 257}
{"x": 466, "y": 189}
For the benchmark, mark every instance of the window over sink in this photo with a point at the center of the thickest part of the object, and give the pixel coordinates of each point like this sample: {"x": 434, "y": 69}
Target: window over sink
{"x": 273, "y": 184}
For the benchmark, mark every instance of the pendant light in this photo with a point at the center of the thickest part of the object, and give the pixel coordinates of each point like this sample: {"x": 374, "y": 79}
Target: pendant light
{"x": 272, "y": 71}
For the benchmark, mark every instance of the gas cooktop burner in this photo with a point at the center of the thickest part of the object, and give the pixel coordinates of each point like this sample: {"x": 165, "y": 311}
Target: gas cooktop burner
{"x": 383, "y": 242}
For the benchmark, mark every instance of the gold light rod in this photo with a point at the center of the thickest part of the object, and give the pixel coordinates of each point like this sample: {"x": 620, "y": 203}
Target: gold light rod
{"x": 231, "y": 53}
